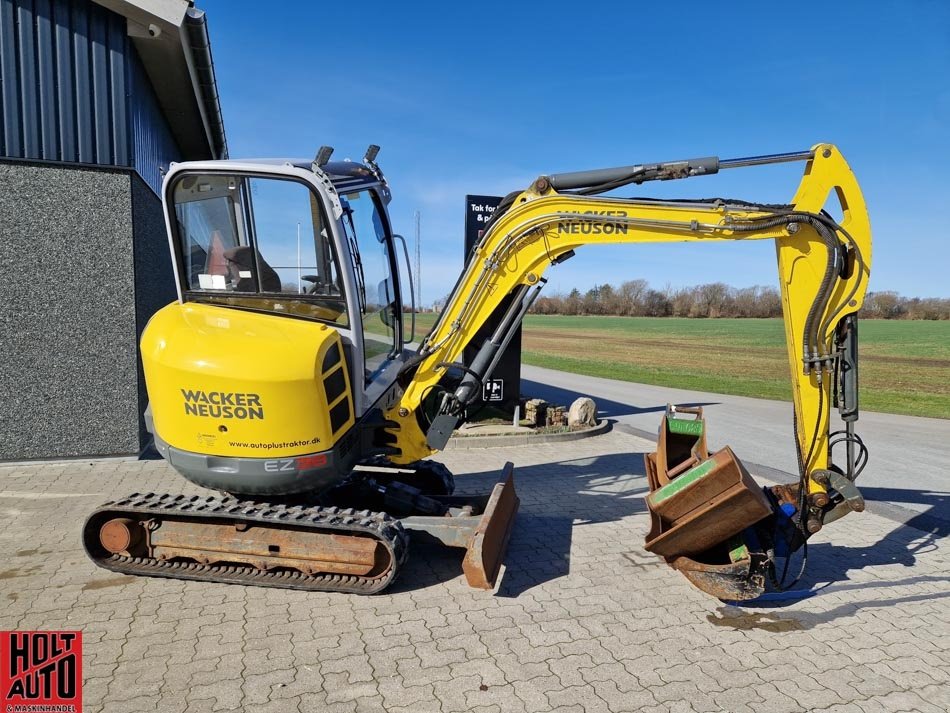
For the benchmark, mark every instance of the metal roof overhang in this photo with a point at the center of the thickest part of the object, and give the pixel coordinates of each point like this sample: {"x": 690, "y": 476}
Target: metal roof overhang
{"x": 171, "y": 38}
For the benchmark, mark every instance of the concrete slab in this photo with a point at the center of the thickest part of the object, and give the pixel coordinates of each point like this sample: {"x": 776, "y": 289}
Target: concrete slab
{"x": 583, "y": 619}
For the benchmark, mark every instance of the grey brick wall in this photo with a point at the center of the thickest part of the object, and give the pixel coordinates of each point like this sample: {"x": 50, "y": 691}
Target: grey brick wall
{"x": 72, "y": 241}
{"x": 154, "y": 278}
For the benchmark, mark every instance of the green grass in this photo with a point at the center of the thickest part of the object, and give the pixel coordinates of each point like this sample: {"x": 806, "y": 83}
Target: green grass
{"x": 905, "y": 365}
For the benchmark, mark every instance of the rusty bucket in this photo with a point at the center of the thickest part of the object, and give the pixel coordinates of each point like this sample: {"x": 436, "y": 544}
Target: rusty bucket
{"x": 700, "y": 505}
{"x": 704, "y": 506}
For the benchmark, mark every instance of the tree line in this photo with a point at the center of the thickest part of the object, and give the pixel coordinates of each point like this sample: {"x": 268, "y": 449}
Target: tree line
{"x": 635, "y": 298}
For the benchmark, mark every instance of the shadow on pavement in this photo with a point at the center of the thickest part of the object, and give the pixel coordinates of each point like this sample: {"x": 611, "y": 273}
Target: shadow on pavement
{"x": 831, "y": 566}
{"x": 605, "y": 407}
{"x": 935, "y": 519}
{"x": 561, "y": 496}
{"x": 555, "y": 497}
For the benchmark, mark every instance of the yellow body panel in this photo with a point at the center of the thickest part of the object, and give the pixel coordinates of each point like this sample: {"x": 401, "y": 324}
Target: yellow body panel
{"x": 231, "y": 382}
{"x": 543, "y": 225}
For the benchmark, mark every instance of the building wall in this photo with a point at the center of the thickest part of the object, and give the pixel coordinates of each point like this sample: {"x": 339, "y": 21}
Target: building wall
{"x": 83, "y": 147}
{"x": 65, "y": 74}
{"x": 68, "y": 382}
{"x": 153, "y": 146}
{"x": 154, "y": 277}
{"x": 73, "y": 89}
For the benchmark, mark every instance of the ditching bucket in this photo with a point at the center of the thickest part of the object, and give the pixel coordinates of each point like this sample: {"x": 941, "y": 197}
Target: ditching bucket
{"x": 699, "y": 505}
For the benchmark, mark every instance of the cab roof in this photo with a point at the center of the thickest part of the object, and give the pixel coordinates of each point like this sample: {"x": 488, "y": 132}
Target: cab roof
{"x": 338, "y": 169}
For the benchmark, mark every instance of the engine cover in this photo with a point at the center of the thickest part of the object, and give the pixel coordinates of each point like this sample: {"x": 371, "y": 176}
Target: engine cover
{"x": 230, "y": 382}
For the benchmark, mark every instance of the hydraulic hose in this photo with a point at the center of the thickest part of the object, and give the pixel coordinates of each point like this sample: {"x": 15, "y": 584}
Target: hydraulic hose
{"x": 824, "y": 291}
{"x": 811, "y": 339}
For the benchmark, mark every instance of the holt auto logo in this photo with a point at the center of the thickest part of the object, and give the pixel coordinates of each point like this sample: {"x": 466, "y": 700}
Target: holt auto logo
{"x": 40, "y": 671}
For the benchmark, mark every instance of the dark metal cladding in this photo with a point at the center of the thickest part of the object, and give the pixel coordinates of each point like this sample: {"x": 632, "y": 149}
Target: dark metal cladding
{"x": 64, "y": 72}
{"x": 73, "y": 90}
{"x": 153, "y": 145}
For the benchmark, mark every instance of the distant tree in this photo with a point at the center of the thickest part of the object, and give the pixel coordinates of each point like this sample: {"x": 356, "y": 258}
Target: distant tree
{"x": 591, "y": 303}
{"x": 656, "y": 304}
{"x": 711, "y": 300}
{"x": 608, "y": 301}
{"x": 574, "y": 302}
{"x": 884, "y": 305}
{"x": 716, "y": 299}
{"x": 682, "y": 302}
{"x": 631, "y": 297}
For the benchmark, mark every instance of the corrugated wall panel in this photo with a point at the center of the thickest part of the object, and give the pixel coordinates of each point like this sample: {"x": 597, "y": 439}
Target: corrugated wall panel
{"x": 73, "y": 89}
{"x": 65, "y": 97}
{"x": 102, "y": 111}
{"x": 10, "y": 94}
{"x": 153, "y": 145}
{"x": 46, "y": 66}
{"x": 83, "y": 150}
{"x": 27, "y": 64}
{"x": 64, "y": 73}
{"x": 118, "y": 82}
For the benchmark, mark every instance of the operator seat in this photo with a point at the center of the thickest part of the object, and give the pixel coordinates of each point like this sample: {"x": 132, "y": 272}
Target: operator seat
{"x": 242, "y": 260}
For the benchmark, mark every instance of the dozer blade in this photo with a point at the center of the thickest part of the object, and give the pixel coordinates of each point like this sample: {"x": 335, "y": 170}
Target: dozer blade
{"x": 489, "y": 542}
{"x": 479, "y": 524}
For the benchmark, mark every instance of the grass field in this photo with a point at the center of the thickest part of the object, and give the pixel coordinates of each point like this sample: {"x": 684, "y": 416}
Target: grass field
{"x": 905, "y": 365}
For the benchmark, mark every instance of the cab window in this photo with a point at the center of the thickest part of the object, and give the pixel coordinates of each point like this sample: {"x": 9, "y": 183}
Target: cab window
{"x": 371, "y": 249}
{"x": 257, "y": 242}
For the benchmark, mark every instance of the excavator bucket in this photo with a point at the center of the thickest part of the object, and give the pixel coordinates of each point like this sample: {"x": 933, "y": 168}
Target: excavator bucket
{"x": 703, "y": 508}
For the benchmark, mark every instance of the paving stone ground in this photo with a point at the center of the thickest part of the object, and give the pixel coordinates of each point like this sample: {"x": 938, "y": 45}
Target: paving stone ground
{"x": 584, "y": 619}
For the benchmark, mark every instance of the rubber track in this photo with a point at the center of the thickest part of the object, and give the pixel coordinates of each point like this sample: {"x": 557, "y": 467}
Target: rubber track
{"x": 377, "y": 525}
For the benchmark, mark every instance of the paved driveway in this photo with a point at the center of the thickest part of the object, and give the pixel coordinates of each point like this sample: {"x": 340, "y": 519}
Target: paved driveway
{"x": 584, "y": 619}
{"x": 909, "y": 454}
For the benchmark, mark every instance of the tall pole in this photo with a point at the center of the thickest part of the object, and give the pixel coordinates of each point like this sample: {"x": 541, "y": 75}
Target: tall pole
{"x": 418, "y": 260}
{"x": 299, "y": 280}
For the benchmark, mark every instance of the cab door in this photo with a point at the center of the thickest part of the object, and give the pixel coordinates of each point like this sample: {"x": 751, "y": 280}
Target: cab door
{"x": 378, "y": 304}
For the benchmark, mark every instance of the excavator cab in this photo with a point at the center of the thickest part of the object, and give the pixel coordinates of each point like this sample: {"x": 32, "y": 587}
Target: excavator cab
{"x": 283, "y": 269}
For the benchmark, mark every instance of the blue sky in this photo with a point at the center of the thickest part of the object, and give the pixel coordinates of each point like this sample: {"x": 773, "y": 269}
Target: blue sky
{"x": 483, "y": 97}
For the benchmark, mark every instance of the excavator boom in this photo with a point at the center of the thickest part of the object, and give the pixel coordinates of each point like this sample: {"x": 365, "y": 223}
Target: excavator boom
{"x": 823, "y": 270}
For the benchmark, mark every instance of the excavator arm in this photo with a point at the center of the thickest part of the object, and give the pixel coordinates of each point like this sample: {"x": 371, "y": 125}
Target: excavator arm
{"x": 823, "y": 271}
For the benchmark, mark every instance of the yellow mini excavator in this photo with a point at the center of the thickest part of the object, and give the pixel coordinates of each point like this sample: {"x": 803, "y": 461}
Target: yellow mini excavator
{"x": 280, "y": 379}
